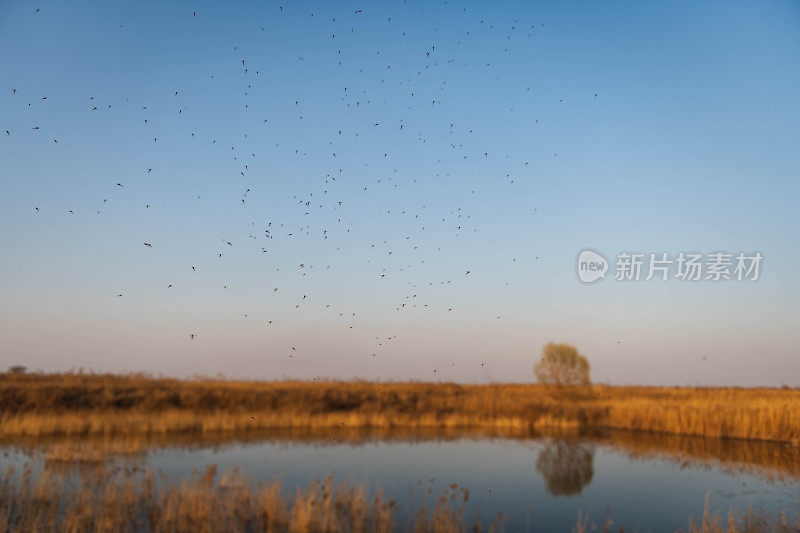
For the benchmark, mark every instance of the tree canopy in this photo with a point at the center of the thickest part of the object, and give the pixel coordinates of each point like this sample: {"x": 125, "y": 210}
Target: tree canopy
{"x": 562, "y": 365}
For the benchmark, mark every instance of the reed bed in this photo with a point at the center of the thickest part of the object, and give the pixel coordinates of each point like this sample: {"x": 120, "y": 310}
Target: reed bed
{"x": 84, "y": 404}
{"x": 711, "y": 521}
{"x": 106, "y": 500}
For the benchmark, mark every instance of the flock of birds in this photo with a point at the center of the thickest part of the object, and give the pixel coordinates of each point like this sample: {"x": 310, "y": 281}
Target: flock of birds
{"x": 327, "y": 200}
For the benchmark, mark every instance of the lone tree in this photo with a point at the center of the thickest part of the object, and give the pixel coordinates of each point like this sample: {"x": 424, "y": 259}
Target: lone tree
{"x": 562, "y": 365}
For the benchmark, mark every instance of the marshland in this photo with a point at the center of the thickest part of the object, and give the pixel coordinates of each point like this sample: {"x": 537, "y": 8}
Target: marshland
{"x": 86, "y": 451}
{"x": 84, "y": 404}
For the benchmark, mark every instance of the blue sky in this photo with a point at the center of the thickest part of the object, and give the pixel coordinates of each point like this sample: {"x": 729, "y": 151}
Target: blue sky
{"x": 530, "y": 131}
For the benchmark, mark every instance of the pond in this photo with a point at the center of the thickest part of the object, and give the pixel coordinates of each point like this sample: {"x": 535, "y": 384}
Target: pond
{"x": 642, "y": 482}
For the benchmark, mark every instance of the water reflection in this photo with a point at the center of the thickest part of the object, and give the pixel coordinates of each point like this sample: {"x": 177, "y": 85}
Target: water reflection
{"x": 651, "y": 482}
{"x": 771, "y": 460}
{"x": 566, "y": 466}
{"x": 565, "y": 462}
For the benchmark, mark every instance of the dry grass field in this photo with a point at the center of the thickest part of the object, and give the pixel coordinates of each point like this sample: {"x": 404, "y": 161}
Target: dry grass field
{"x": 83, "y": 404}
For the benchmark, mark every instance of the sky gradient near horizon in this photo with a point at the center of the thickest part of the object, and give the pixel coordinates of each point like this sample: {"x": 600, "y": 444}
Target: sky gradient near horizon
{"x": 389, "y": 149}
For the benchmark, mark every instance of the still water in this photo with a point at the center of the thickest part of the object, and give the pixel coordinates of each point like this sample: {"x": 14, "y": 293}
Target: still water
{"x": 642, "y": 482}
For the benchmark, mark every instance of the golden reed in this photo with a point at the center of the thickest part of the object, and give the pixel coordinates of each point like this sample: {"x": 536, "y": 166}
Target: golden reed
{"x": 83, "y": 404}
{"x": 115, "y": 500}
{"x": 105, "y": 500}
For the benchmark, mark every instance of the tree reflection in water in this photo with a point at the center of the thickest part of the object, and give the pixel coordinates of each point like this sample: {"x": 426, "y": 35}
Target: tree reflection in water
{"x": 566, "y": 466}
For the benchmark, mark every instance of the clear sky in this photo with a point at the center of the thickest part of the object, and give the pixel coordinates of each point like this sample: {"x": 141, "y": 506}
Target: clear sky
{"x": 388, "y": 149}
